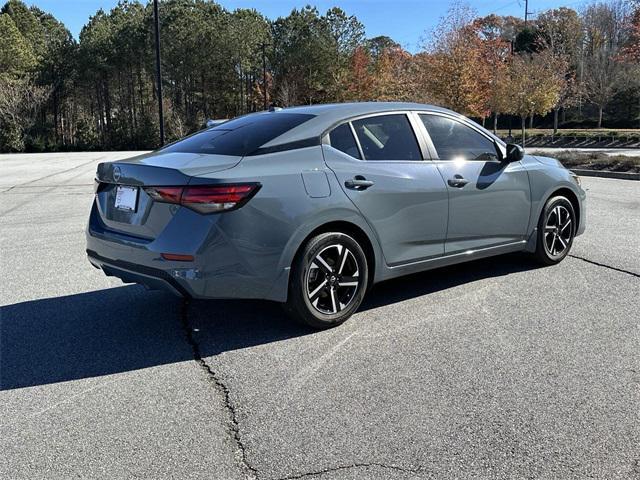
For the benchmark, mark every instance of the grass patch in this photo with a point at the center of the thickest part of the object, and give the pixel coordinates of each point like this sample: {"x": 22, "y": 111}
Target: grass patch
{"x": 598, "y": 161}
{"x": 576, "y": 132}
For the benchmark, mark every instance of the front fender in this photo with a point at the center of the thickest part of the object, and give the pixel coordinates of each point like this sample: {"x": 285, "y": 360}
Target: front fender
{"x": 546, "y": 179}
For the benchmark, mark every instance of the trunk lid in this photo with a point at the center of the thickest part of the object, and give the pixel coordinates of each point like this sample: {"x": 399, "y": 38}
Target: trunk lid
{"x": 147, "y": 219}
{"x": 167, "y": 168}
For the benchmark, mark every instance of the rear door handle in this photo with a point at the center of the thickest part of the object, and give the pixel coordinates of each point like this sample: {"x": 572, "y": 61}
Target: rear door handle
{"x": 458, "y": 181}
{"x": 358, "y": 183}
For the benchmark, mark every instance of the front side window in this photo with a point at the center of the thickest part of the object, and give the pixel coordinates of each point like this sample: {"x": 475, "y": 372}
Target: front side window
{"x": 387, "y": 137}
{"x": 455, "y": 141}
{"x": 241, "y": 136}
{"x": 342, "y": 139}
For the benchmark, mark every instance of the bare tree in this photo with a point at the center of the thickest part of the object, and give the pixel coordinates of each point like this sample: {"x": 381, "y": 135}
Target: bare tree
{"x": 561, "y": 33}
{"x": 604, "y": 36}
{"x": 20, "y": 101}
{"x": 287, "y": 93}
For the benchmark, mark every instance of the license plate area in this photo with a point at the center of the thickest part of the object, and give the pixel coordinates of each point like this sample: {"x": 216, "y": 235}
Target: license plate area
{"x": 126, "y": 198}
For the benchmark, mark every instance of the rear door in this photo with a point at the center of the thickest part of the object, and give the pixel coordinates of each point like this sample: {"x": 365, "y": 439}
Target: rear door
{"x": 489, "y": 199}
{"x": 380, "y": 165}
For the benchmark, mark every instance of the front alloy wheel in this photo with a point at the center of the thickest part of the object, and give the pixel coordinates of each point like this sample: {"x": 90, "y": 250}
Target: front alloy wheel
{"x": 556, "y": 229}
{"x": 328, "y": 280}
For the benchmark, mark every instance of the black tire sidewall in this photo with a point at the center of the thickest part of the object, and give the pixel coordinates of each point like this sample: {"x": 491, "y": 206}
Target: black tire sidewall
{"x": 541, "y": 251}
{"x": 299, "y": 305}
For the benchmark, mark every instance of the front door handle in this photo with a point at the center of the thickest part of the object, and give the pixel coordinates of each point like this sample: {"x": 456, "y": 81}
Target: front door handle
{"x": 358, "y": 183}
{"x": 458, "y": 181}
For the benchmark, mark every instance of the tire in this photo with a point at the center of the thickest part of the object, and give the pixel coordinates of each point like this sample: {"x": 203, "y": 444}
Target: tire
{"x": 328, "y": 281}
{"x": 555, "y": 235}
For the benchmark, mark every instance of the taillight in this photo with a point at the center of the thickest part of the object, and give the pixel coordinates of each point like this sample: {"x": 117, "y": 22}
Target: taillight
{"x": 165, "y": 194}
{"x": 206, "y": 198}
{"x": 217, "y": 198}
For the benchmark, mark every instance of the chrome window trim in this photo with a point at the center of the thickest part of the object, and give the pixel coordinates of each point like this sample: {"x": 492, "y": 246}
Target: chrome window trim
{"x": 422, "y": 147}
{"x": 355, "y": 137}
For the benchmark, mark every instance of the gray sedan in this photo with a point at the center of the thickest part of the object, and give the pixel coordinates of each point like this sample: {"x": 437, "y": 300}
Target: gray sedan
{"x": 310, "y": 206}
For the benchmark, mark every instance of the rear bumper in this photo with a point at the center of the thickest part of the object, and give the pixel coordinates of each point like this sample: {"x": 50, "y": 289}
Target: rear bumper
{"x": 222, "y": 266}
{"x": 152, "y": 278}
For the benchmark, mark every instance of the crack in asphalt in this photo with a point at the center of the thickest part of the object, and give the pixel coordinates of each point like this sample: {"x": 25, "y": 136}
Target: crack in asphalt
{"x": 54, "y": 174}
{"x": 354, "y": 465}
{"x": 604, "y": 265}
{"x": 250, "y": 471}
{"x": 36, "y": 195}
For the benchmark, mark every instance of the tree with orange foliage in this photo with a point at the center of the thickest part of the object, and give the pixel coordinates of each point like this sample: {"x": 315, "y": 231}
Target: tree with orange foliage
{"x": 393, "y": 78}
{"x": 631, "y": 51}
{"x": 494, "y": 52}
{"x": 458, "y": 67}
{"x": 385, "y": 76}
{"x": 359, "y": 86}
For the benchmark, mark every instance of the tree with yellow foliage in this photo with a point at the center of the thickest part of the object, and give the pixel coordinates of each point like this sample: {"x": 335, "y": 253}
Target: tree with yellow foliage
{"x": 533, "y": 83}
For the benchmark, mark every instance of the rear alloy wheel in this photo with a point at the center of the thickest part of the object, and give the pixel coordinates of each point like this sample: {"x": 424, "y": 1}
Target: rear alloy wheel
{"x": 556, "y": 229}
{"x": 328, "y": 281}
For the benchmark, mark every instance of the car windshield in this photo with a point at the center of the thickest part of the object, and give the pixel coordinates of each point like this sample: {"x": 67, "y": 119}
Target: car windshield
{"x": 241, "y": 136}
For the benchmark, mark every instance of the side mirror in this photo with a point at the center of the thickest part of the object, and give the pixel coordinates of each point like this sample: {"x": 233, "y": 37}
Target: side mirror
{"x": 514, "y": 152}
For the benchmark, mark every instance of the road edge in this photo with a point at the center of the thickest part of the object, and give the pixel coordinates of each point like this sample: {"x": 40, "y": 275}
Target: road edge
{"x": 606, "y": 174}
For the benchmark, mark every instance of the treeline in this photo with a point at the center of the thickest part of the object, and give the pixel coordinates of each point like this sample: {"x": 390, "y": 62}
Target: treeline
{"x": 99, "y": 92}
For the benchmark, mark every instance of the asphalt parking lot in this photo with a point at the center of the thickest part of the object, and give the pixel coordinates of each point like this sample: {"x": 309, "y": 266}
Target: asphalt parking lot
{"x": 496, "y": 368}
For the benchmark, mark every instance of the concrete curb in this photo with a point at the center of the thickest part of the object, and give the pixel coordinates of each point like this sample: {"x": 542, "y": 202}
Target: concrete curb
{"x": 606, "y": 174}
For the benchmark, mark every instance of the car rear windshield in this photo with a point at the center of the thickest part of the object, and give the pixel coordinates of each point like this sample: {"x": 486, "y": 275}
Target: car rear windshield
{"x": 241, "y": 136}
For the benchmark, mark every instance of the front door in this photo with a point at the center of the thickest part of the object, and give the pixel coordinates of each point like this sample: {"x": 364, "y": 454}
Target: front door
{"x": 402, "y": 196}
{"x": 489, "y": 199}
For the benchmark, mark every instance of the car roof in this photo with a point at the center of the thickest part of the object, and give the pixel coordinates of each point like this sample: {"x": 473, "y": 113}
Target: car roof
{"x": 359, "y": 108}
{"x": 331, "y": 114}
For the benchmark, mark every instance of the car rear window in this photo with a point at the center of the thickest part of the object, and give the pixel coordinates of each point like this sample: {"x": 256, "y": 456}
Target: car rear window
{"x": 342, "y": 138}
{"x": 241, "y": 136}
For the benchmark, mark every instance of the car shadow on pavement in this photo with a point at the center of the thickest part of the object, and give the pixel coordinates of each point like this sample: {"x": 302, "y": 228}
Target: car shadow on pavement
{"x": 128, "y": 328}
{"x": 423, "y": 283}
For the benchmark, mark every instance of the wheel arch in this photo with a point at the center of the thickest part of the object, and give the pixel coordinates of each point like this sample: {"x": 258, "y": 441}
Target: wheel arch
{"x": 571, "y": 196}
{"x": 351, "y": 229}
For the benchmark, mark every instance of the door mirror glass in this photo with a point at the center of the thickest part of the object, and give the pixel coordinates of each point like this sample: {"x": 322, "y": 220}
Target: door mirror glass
{"x": 514, "y": 152}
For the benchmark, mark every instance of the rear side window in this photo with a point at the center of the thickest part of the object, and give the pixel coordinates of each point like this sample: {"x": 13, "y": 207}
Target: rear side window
{"x": 342, "y": 139}
{"x": 454, "y": 140}
{"x": 387, "y": 137}
{"x": 241, "y": 136}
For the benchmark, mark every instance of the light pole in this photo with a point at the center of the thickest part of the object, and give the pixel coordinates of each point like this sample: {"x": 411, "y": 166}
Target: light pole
{"x": 264, "y": 74}
{"x": 158, "y": 70}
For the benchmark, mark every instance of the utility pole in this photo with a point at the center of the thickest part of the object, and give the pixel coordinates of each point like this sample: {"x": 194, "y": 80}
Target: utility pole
{"x": 264, "y": 74}
{"x": 526, "y": 12}
{"x": 158, "y": 70}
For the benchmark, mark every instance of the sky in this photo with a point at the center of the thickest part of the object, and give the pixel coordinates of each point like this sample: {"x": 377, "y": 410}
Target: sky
{"x": 406, "y": 21}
